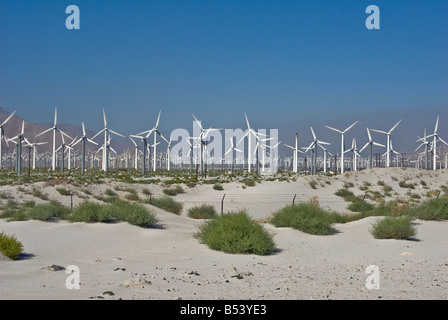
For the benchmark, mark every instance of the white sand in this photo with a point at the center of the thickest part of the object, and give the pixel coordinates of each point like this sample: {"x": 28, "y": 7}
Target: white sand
{"x": 169, "y": 263}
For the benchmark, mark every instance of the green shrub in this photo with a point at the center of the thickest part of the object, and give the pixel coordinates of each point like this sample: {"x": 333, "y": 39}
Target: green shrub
{"x": 88, "y": 211}
{"x": 132, "y": 213}
{"x": 236, "y": 232}
{"x": 9, "y": 246}
{"x": 313, "y": 184}
{"x": 168, "y": 204}
{"x": 110, "y": 193}
{"x": 346, "y": 194}
{"x": 357, "y": 206}
{"x": 218, "y": 187}
{"x": 173, "y": 191}
{"x": 48, "y": 211}
{"x": 249, "y": 182}
{"x": 432, "y": 209}
{"x": 63, "y": 191}
{"x": 393, "y": 228}
{"x": 304, "y": 217}
{"x": 203, "y": 211}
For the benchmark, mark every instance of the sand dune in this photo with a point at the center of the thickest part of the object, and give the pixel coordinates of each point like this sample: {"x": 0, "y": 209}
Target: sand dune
{"x": 169, "y": 263}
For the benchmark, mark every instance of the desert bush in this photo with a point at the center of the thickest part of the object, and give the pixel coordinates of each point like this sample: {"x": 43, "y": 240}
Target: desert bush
{"x": 173, "y": 191}
{"x": 432, "y": 209}
{"x": 10, "y": 246}
{"x": 313, "y": 184}
{"x": 236, "y": 232}
{"x": 63, "y": 191}
{"x": 110, "y": 193}
{"x": 48, "y": 211}
{"x": 203, "y": 211}
{"x": 217, "y": 186}
{"x": 393, "y": 228}
{"x": 167, "y": 203}
{"x": 346, "y": 194}
{"x": 132, "y": 213}
{"x": 88, "y": 211}
{"x": 356, "y": 206}
{"x": 304, "y": 217}
{"x": 249, "y": 182}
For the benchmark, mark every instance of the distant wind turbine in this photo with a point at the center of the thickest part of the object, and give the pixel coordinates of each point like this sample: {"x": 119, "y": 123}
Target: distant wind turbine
{"x": 342, "y": 142}
{"x": 83, "y": 147}
{"x": 370, "y": 143}
{"x": 388, "y": 142}
{"x": 105, "y": 164}
{"x": 54, "y": 129}
{"x": 3, "y": 137}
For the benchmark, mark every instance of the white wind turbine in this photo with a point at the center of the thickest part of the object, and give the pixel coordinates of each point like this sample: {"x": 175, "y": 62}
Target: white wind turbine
{"x": 295, "y": 154}
{"x": 148, "y": 133}
{"x": 201, "y": 137}
{"x": 105, "y": 149}
{"x": 355, "y": 153}
{"x": 342, "y": 142}
{"x": 388, "y": 147}
{"x": 136, "y": 153}
{"x": 20, "y": 138}
{"x": 83, "y": 147}
{"x": 314, "y": 145}
{"x": 34, "y": 146}
{"x": 3, "y": 137}
{"x": 248, "y": 133}
{"x": 436, "y": 136}
{"x": 54, "y": 128}
{"x": 232, "y": 149}
{"x": 371, "y": 143}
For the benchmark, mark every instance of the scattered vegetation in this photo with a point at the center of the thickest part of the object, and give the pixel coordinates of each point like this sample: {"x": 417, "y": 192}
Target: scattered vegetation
{"x": 173, "y": 191}
{"x": 10, "y": 246}
{"x": 167, "y": 203}
{"x": 203, "y": 211}
{"x": 236, "y": 232}
{"x": 393, "y": 228}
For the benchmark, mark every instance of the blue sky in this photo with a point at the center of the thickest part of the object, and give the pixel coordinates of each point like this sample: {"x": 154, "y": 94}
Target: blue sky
{"x": 288, "y": 64}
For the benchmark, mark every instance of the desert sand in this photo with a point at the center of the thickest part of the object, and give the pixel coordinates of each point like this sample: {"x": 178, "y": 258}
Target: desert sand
{"x": 121, "y": 261}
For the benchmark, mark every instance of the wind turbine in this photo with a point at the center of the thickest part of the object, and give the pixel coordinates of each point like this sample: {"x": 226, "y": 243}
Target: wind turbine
{"x": 148, "y": 133}
{"x": 136, "y": 153}
{"x": 355, "y": 153}
{"x": 391, "y": 149}
{"x": 342, "y": 142}
{"x": 312, "y": 146}
{"x": 145, "y": 147}
{"x": 54, "y": 128}
{"x": 106, "y": 130}
{"x": 3, "y": 137}
{"x": 425, "y": 143}
{"x": 34, "y": 146}
{"x": 295, "y": 155}
{"x": 371, "y": 143}
{"x": 83, "y": 138}
{"x": 201, "y": 137}
{"x": 20, "y": 138}
{"x": 232, "y": 149}
{"x": 388, "y": 142}
{"x": 436, "y": 136}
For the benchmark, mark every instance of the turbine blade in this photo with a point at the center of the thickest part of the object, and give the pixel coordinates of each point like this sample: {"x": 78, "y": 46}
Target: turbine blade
{"x": 350, "y": 126}
{"x": 7, "y": 119}
{"x": 393, "y": 128}
{"x": 312, "y": 131}
{"x": 104, "y": 117}
{"x": 44, "y": 132}
{"x": 368, "y": 133}
{"x": 158, "y": 118}
{"x": 334, "y": 129}
{"x": 116, "y": 133}
{"x": 55, "y": 115}
{"x": 247, "y": 121}
{"x": 437, "y": 124}
{"x": 379, "y": 144}
{"x": 83, "y": 130}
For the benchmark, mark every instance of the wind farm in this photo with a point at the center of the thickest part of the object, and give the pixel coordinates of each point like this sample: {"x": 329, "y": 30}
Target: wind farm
{"x": 221, "y": 151}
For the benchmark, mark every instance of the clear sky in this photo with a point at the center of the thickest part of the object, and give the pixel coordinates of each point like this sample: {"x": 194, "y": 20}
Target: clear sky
{"x": 288, "y": 64}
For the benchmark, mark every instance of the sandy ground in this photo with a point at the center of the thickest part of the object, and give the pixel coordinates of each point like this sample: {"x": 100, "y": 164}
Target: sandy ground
{"x": 120, "y": 261}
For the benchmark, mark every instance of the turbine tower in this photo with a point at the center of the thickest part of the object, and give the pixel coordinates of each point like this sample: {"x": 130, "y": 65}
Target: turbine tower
{"x": 295, "y": 154}
{"x": 388, "y": 142}
{"x": 201, "y": 137}
{"x": 342, "y": 142}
